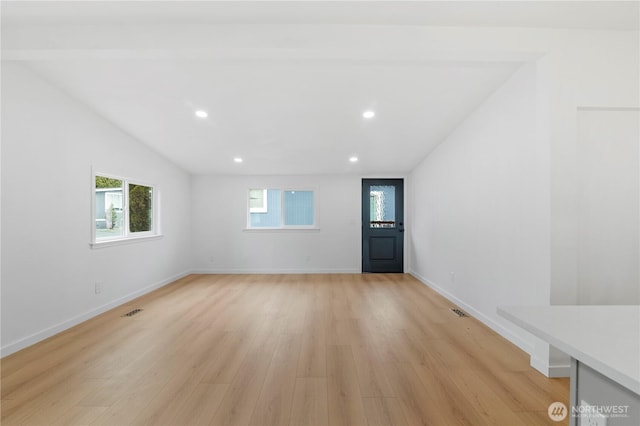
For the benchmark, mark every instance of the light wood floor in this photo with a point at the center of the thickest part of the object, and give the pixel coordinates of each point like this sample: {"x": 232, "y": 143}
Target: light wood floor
{"x": 279, "y": 350}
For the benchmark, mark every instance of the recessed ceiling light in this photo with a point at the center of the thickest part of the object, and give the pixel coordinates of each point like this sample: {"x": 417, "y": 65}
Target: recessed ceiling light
{"x": 238, "y": 160}
{"x": 368, "y": 114}
{"x": 353, "y": 159}
{"x": 201, "y": 114}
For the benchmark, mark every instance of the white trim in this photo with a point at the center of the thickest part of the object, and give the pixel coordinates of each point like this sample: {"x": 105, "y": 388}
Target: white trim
{"x": 559, "y": 370}
{"x": 127, "y": 240}
{"x": 60, "y": 327}
{"x": 517, "y": 340}
{"x": 287, "y": 229}
{"x": 276, "y": 271}
{"x": 106, "y": 189}
{"x": 543, "y": 366}
{"x": 604, "y": 108}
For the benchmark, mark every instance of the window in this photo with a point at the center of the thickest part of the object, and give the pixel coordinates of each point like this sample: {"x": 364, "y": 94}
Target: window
{"x": 382, "y": 206}
{"x": 140, "y": 208}
{"x": 271, "y": 208}
{"x": 258, "y": 200}
{"x": 124, "y": 210}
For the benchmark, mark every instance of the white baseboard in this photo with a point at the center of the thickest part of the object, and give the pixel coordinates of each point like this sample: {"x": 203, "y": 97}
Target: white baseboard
{"x": 275, "y": 271}
{"x": 550, "y": 370}
{"x": 55, "y": 329}
{"x": 489, "y": 322}
{"x": 559, "y": 371}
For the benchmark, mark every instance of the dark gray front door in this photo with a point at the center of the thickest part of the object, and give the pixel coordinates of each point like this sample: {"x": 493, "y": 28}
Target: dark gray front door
{"x": 382, "y": 225}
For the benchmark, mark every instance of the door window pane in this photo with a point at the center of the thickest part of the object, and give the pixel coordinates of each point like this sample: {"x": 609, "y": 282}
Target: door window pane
{"x": 382, "y": 206}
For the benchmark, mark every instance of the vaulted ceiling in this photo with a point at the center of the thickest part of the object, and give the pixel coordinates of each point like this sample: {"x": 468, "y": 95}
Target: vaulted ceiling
{"x": 284, "y": 84}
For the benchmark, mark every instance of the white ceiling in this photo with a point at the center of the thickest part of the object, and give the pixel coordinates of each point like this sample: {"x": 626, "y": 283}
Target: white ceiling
{"x": 284, "y": 83}
{"x": 606, "y": 14}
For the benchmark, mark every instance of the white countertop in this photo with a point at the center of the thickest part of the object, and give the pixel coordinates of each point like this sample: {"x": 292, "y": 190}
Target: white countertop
{"x": 606, "y": 338}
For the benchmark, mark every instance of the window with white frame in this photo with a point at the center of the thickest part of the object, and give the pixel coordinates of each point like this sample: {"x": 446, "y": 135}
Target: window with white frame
{"x": 258, "y": 201}
{"x": 123, "y": 209}
{"x": 274, "y": 208}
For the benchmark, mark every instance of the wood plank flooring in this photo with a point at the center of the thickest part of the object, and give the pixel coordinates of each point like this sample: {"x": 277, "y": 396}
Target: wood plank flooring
{"x": 373, "y": 349}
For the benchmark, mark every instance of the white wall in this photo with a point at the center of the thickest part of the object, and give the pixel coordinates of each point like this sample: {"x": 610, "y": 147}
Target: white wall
{"x": 221, "y": 243}
{"x": 49, "y": 144}
{"x": 608, "y": 181}
{"x": 595, "y": 70}
{"x": 480, "y": 209}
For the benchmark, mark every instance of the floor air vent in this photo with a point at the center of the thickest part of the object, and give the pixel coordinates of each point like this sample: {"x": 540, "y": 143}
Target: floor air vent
{"x": 132, "y": 313}
{"x": 459, "y": 313}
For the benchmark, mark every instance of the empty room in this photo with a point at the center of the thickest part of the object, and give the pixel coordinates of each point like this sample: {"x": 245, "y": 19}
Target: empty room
{"x": 320, "y": 213}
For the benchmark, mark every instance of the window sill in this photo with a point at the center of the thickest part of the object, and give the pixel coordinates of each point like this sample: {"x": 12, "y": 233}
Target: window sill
{"x": 259, "y": 230}
{"x": 123, "y": 241}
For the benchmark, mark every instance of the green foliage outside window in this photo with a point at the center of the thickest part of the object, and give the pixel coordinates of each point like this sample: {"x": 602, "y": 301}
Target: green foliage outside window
{"x": 106, "y": 182}
{"x": 140, "y": 208}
